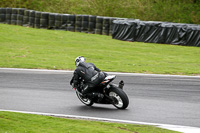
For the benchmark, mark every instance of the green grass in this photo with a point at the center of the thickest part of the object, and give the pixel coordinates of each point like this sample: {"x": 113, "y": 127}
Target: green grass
{"x": 22, "y": 47}
{"x": 18, "y": 123}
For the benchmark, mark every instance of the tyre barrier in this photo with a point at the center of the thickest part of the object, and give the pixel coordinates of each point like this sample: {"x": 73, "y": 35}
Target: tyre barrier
{"x": 8, "y": 15}
{"x": 71, "y": 23}
{"x": 2, "y": 15}
{"x": 111, "y": 25}
{"x": 58, "y": 21}
{"x": 20, "y": 15}
{"x": 14, "y": 16}
{"x": 31, "y": 20}
{"x": 44, "y": 20}
{"x": 78, "y": 23}
{"x": 64, "y": 21}
{"x": 26, "y": 18}
{"x": 119, "y": 28}
{"x": 85, "y": 22}
{"x": 92, "y": 24}
{"x": 157, "y": 32}
{"x": 105, "y": 26}
{"x": 99, "y": 25}
{"x": 37, "y": 19}
{"x": 52, "y": 17}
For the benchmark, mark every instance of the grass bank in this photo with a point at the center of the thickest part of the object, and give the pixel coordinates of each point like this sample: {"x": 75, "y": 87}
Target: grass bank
{"x": 22, "y": 47}
{"x": 181, "y": 11}
{"x": 17, "y": 122}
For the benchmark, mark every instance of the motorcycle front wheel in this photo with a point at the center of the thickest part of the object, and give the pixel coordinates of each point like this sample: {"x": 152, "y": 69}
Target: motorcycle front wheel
{"x": 84, "y": 100}
{"x": 120, "y": 99}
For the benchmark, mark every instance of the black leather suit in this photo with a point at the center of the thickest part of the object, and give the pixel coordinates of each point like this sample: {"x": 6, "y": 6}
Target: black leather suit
{"x": 91, "y": 75}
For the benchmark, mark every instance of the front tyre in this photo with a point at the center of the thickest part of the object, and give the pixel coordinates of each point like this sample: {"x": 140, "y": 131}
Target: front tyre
{"x": 120, "y": 99}
{"x": 84, "y": 100}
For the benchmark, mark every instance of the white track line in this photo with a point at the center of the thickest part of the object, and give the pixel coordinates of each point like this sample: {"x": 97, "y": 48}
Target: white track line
{"x": 118, "y": 73}
{"x": 183, "y": 129}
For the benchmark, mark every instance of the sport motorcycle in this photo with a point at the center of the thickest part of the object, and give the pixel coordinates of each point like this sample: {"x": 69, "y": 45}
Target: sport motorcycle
{"x": 112, "y": 94}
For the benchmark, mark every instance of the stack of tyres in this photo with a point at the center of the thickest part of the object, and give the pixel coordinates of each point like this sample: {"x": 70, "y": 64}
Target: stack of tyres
{"x": 92, "y": 24}
{"x": 64, "y": 21}
{"x": 44, "y": 20}
{"x": 8, "y": 15}
{"x": 26, "y": 18}
{"x": 78, "y": 23}
{"x": 20, "y": 16}
{"x": 71, "y": 22}
{"x": 14, "y": 16}
{"x": 99, "y": 25}
{"x": 2, "y": 15}
{"x": 106, "y": 23}
{"x": 52, "y": 17}
{"x": 85, "y": 22}
{"x": 58, "y": 22}
{"x": 111, "y": 25}
{"x": 37, "y": 19}
{"x": 31, "y": 18}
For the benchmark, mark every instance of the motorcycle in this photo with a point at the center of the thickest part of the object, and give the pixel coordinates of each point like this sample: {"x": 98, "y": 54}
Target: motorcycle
{"x": 112, "y": 94}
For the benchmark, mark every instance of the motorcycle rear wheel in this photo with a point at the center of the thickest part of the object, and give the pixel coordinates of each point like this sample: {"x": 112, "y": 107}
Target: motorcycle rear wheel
{"x": 84, "y": 100}
{"x": 120, "y": 99}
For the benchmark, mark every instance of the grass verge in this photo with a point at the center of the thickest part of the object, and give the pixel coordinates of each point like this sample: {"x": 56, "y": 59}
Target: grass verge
{"x": 11, "y": 122}
{"x": 22, "y": 47}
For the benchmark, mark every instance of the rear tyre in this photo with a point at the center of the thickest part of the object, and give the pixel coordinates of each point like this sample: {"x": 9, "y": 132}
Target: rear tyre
{"x": 84, "y": 100}
{"x": 120, "y": 99}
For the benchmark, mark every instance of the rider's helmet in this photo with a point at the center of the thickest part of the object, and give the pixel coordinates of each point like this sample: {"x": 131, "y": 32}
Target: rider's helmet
{"x": 79, "y": 59}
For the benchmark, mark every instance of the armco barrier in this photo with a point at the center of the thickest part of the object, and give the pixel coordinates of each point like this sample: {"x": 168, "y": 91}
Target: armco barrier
{"x": 118, "y": 28}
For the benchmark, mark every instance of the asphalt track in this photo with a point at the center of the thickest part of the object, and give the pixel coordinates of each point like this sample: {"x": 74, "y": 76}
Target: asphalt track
{"x": 153, "y": 98}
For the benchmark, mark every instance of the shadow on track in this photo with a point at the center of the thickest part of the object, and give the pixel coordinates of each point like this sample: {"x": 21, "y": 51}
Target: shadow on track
{"x": 97, "y": 107}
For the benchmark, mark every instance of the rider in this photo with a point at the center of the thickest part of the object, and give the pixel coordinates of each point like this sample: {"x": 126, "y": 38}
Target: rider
{"x": 91, "y": 75}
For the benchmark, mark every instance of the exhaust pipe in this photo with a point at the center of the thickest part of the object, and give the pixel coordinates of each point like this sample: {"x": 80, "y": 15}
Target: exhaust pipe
{"x": 121, "y": 84}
